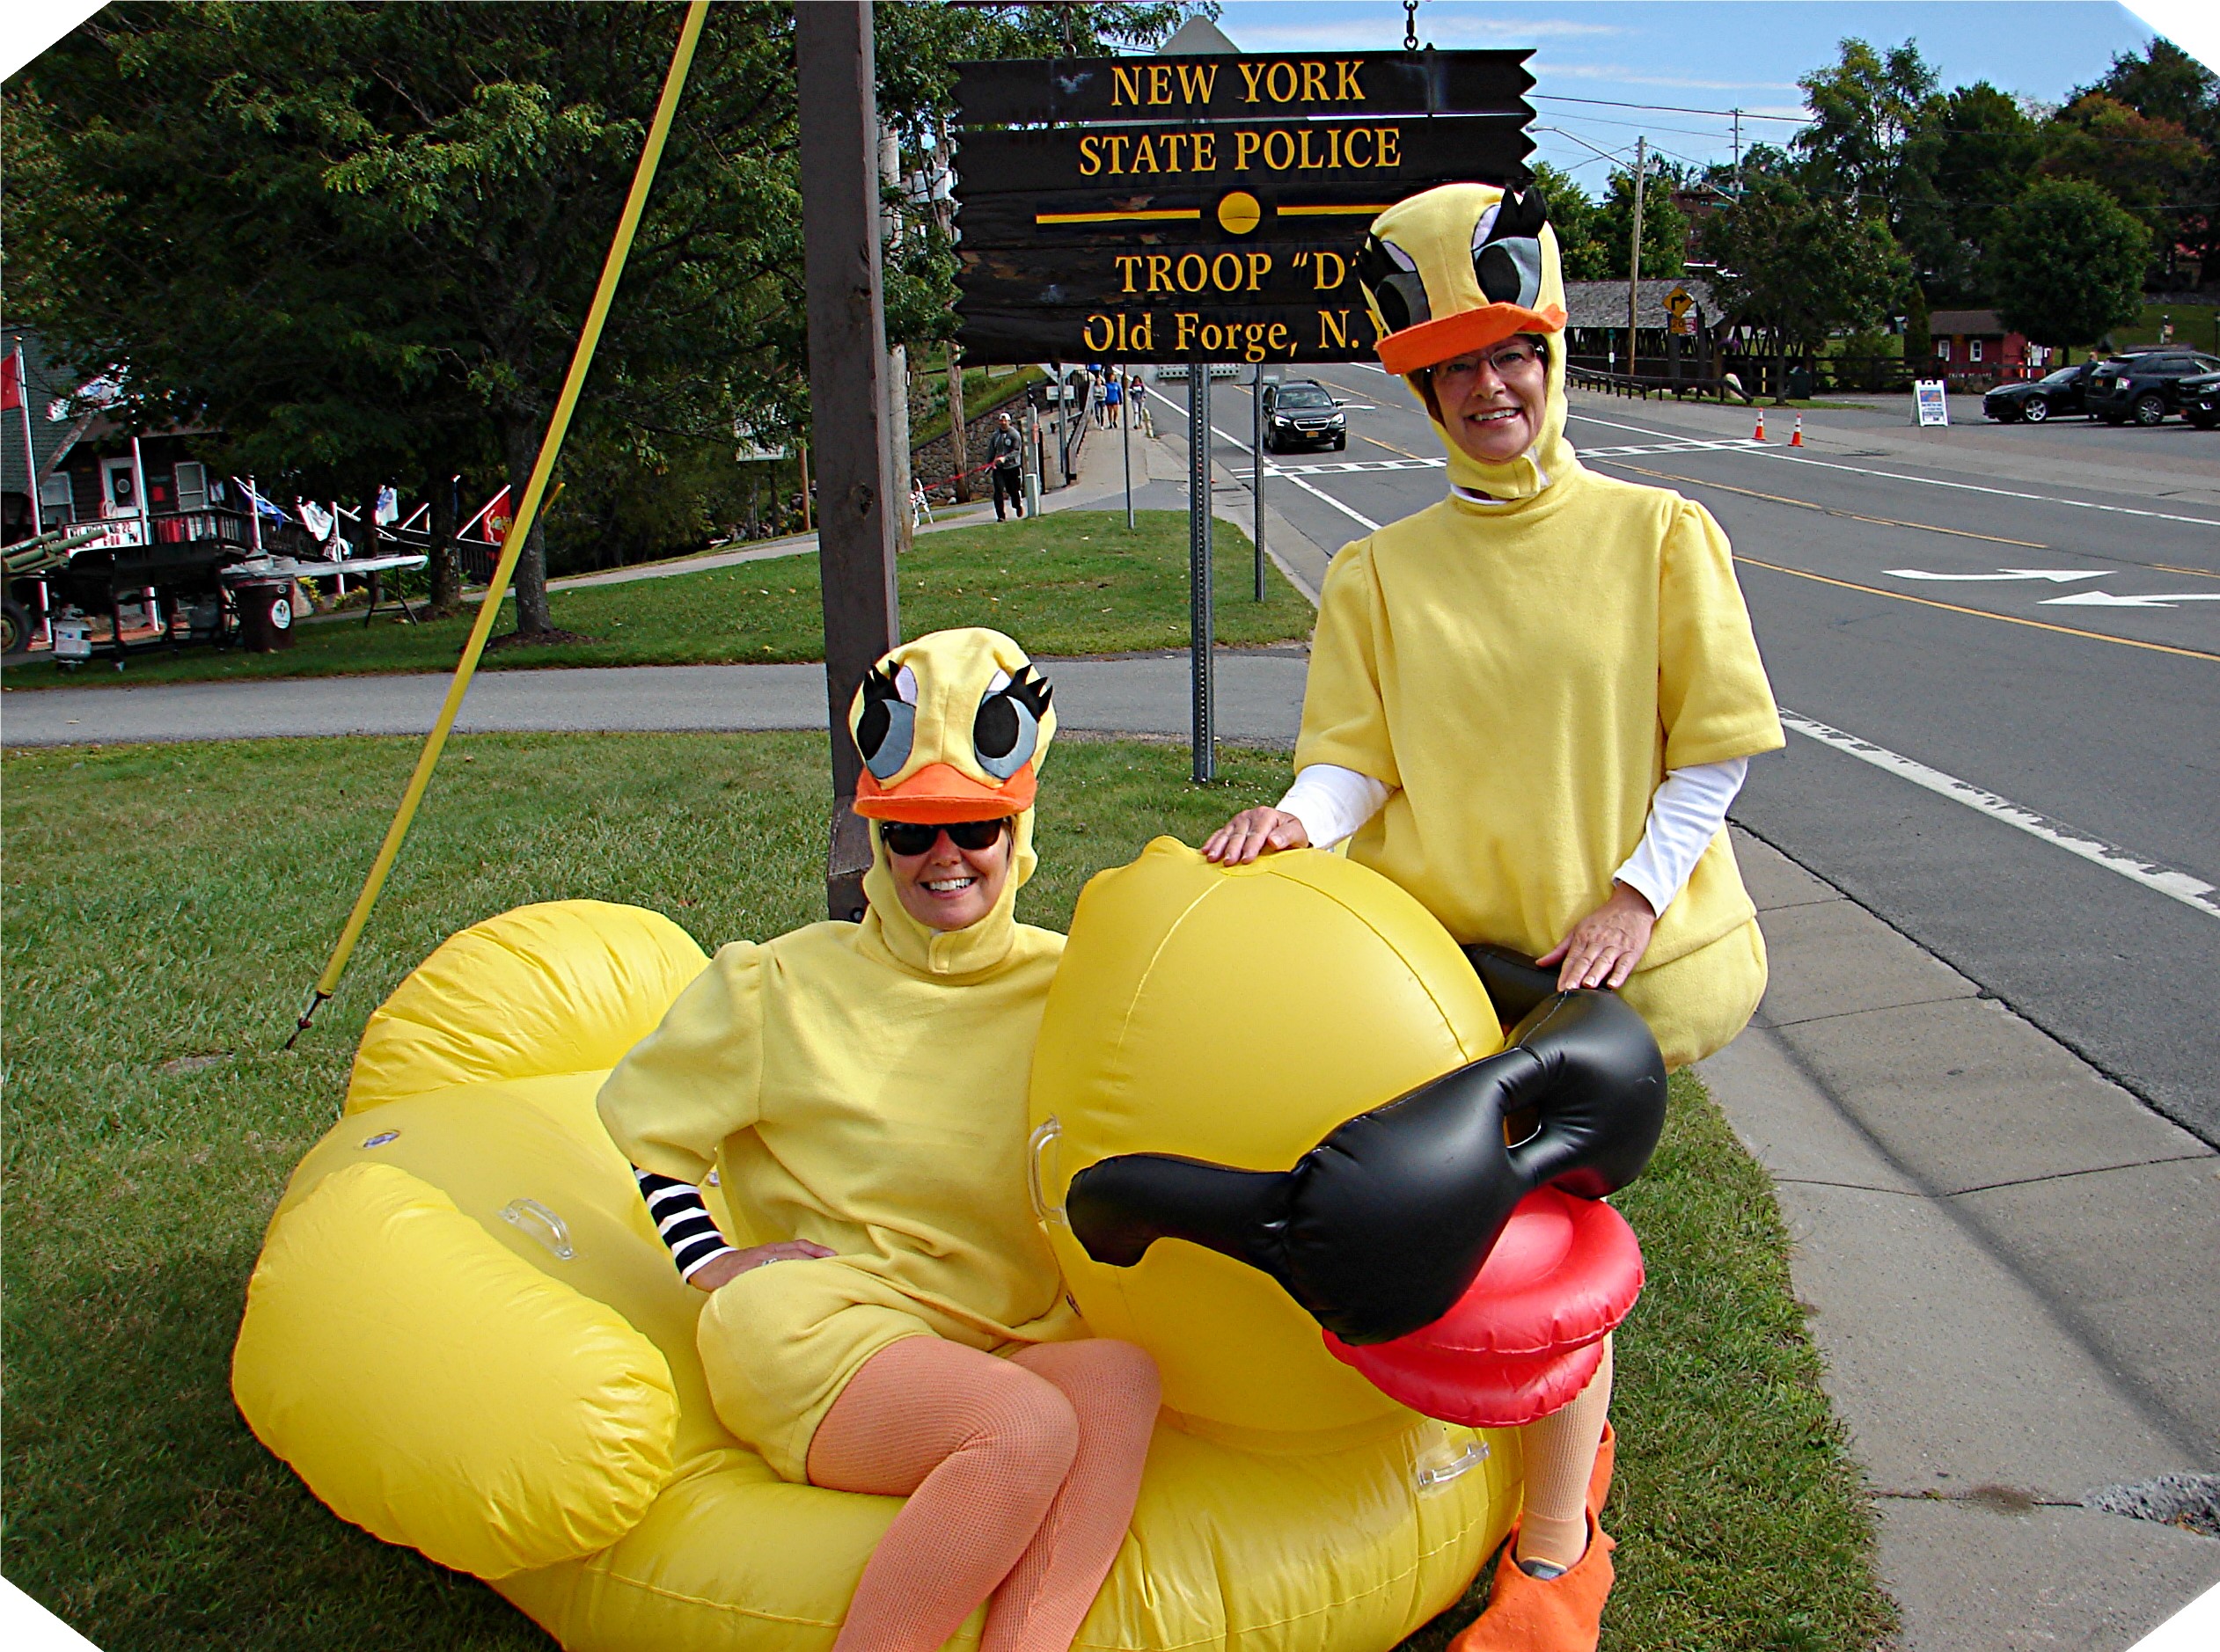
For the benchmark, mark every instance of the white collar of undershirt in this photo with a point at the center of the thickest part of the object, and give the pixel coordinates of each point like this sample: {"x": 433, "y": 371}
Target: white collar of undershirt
{"x": 1473, "y": 497}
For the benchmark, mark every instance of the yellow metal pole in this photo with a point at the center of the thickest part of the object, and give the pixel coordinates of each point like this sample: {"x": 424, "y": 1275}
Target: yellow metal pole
{"x": 512, "y": 546}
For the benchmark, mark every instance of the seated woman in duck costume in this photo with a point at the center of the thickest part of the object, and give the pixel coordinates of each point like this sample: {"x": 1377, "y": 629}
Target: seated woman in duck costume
{"x": 862, "y": 1088}
{"x": 1529, "y": 705}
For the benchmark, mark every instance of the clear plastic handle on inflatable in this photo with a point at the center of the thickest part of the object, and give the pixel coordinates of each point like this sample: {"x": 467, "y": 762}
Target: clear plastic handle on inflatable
{"x": 1433, "y": 1476}
{"x": 542, "y": 1224}
{"x": 1039, "y": 1144}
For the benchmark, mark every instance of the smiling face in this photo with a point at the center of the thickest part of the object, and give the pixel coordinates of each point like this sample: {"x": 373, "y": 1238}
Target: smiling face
{"x": 950, "y": 888}
{"x": 1491, "y": 401}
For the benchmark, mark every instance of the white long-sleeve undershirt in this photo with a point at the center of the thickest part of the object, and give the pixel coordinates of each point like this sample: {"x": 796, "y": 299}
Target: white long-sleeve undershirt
{"x": 1686, "y": 812}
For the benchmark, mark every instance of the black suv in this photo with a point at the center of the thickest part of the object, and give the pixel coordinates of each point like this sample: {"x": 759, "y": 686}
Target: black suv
{"x": 2146, "y": 387}
{"x": 2035, "y": 400}
{"x": 1302, "y": 413}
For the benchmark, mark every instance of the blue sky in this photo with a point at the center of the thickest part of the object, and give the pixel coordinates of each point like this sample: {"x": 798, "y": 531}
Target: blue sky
{"x": 1699, "y": 54}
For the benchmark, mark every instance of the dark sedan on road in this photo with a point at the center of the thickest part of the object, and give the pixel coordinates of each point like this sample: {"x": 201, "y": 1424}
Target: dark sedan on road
{"x": 2038, "y": 399}
{"x": 1301, "y": 413}
{"x": 2147, "y": 387}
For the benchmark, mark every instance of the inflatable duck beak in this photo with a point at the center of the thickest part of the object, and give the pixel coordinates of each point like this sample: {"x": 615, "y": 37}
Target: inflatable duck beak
{"x": 1382, "y": 1227}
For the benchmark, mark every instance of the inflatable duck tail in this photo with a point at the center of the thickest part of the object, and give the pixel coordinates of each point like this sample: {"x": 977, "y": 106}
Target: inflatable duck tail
{"x": 1381, "y": 1227}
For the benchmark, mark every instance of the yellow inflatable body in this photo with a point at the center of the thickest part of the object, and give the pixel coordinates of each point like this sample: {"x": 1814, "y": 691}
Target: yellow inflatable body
{"x": 467, "y": 1338}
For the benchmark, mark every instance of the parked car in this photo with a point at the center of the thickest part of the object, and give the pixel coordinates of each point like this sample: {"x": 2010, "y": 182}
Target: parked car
{"x": 1303, "y": 413}
{"x": 2146, "y": 387}
{"x": 2035, "y": 400}
{"x": 2200, "y": 398}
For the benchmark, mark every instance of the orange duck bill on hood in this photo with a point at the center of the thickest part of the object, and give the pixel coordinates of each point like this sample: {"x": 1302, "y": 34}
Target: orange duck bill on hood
{"x": 1431, "y": 343}
{"x": 941, "y": 793}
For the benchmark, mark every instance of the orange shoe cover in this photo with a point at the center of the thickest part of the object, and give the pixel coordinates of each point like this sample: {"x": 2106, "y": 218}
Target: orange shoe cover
{"x": 1533, "y": 1614}
{"x": 1607, "y": 1454}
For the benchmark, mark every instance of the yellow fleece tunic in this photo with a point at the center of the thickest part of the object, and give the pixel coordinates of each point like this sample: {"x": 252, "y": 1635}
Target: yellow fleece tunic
{"x": 862, "y": 1086}
{"x": 1521, "y": 676}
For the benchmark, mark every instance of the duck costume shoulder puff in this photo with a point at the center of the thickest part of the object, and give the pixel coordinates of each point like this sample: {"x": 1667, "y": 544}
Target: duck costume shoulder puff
{"x": 1521, "y": 664}
{"x": 862, "y": 1086}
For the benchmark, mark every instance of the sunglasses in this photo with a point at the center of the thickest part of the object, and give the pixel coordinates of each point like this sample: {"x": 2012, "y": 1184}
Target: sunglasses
{"x": 911, "y": 837}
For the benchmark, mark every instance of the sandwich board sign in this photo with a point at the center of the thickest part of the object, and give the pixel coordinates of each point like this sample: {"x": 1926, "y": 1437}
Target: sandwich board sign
{"x": 1931, "y": 401}
{"x": 1206, "y": 209}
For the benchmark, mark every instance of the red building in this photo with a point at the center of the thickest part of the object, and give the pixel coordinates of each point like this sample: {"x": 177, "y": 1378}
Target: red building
{"x": 1974, "y": 345}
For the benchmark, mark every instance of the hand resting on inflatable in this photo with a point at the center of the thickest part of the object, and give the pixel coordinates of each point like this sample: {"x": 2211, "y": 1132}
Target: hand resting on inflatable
{"x": 724, "y": 1269}
{"x": 1263, "y": 831}
{"x": 1381, "y": 1227}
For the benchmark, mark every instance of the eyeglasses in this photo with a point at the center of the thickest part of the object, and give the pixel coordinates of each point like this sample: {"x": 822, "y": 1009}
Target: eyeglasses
{"x": 1508, "y": 360}
{"x": 910, "y": 838}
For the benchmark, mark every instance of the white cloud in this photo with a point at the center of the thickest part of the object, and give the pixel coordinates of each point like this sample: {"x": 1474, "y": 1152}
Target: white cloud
{"x": 1544, "y": 71}
{"x": 1383, "y": 33}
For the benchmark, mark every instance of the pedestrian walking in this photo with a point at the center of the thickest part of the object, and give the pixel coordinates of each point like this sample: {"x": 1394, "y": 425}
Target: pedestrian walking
{"x": 1113, "y": 401}
{"x": 1005, "y": 458}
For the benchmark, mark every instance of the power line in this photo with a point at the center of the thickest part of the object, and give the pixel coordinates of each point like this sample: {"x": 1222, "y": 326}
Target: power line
{"x": 1672, "y": 109}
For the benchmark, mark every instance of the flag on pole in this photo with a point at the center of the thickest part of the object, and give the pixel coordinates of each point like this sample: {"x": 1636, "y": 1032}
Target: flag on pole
{"x": 11, "y": 380}
{"x": 498, "y": 516}
{"x": 389, "y": 507}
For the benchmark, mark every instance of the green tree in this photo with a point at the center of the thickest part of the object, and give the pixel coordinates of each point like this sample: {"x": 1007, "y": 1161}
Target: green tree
{"x": 2070, "y": 263}
{"x": 1864, "y": 110}
{"x": 2153, "y": 166}
{"x": 1797, "y": 267}
{"x": 1572, "y": 214}
{"x": 1972, "y": 151}
{"x": 1665, "y": 227}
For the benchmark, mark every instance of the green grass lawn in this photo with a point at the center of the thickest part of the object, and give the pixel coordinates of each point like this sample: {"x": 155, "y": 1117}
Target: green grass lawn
{"x": 1072, "y": 582}
{"x": 166, "y": 907}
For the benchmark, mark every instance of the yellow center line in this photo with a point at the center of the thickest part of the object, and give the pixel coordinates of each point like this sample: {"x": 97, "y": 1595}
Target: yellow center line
{"x": 1158, "y": 215}
{"x": 1806, "y": 504}
{"x": 1392, "y": 447}
{"x": 1979, "y": 613}
{"x": 2168, "y": 567}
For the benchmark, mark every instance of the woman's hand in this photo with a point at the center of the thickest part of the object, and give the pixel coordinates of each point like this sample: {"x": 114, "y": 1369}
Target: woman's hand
{"x": 732, "y": 1264}
{"x": 1253, "y": 832}
{"x": 1606, "y": 945}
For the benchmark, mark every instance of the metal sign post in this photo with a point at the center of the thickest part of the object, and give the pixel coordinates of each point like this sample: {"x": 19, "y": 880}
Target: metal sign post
{"x": 1127, "y": 407}
{"x": 1201, "y": 627}
{"x": 1257, "y": 470}
{"x": 860, "y": 506}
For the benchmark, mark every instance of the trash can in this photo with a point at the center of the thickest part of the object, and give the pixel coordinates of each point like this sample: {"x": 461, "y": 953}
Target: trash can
{"x": 266, "y": 614}
{"x": 1800, "y": 382}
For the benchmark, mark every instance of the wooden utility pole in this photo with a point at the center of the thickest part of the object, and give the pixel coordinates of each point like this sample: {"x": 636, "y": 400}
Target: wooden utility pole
{"x": 860, "y": 508}
{"x": 1634, "y": 255}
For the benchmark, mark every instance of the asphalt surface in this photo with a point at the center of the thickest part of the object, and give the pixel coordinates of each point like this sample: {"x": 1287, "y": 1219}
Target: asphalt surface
{"x": 2100, "y": 717}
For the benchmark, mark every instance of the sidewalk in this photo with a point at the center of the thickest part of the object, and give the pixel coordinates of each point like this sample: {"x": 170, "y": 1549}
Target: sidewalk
{"x": 2011, "y": 1266}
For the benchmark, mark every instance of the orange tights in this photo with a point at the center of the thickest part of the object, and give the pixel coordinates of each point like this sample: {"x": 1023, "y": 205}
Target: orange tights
{"x": 1021, "y": 1475}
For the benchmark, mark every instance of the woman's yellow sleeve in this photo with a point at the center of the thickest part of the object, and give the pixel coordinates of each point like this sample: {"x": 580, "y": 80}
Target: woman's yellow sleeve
{"x": 1713, "y": 697}
{"x": 1345, "y": 719}
{"x": 671, "y": 1102}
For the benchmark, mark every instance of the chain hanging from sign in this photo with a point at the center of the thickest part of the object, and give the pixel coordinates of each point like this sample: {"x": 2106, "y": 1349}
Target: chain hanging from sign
{"x": 1206, "y": 209}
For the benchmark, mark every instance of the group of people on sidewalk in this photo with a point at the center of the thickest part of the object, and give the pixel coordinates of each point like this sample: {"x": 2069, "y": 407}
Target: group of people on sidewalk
{"x": 1529, "y": 705}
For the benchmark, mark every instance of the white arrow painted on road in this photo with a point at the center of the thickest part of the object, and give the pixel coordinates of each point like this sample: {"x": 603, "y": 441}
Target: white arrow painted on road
{"x": 2106, "y": 599}
{"x": 2056, "y": 576}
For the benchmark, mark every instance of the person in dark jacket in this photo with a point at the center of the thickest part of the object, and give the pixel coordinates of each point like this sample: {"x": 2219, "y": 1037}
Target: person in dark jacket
{"x": 1004, "y": 453}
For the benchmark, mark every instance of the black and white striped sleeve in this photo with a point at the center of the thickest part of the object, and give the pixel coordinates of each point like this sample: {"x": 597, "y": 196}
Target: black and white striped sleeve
{"x": 676, "y": 1208}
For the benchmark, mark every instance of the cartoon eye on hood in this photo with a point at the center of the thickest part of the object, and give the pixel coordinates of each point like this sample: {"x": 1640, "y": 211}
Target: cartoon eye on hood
{"x": 1007, "y": 728}
{"x": 887, "y": 728}
{"x": 1391, "y": 276}
{"x": 1506, "y": 250}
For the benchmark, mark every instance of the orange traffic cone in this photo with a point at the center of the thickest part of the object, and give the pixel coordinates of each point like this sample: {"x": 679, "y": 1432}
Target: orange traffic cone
{"x": 1796, "y": 436}
{"x": 1760, "y": 436}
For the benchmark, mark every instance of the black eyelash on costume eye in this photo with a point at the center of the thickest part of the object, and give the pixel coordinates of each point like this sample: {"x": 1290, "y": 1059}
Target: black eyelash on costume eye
{"x": 887, "y": 728}
{"x": 1400, "y": 294}
{"x": 1005, "y": 731}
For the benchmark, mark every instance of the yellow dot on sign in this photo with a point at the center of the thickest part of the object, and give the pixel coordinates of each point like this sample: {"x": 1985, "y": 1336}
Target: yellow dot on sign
{"x": 1238, "y": 214}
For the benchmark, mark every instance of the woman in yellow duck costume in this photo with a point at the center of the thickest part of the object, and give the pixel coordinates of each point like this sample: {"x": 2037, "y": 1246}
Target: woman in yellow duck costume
{"x": 862, "y": 1089}
{"x": 1529, "y": 705}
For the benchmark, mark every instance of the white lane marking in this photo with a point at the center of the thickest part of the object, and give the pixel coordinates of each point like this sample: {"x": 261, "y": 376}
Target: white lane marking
{"x": 2106, "y": 599}
{"x": 1767, "y": 450}
{"x": 1355, "y": 516}
{"x": 2056, "y": 576}
{"x": 2180, "y": 886}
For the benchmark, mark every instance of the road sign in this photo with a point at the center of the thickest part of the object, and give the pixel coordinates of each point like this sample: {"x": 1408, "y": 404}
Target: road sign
{"x": 1206, "y": 209}
{"x": 1679, "y": 311}
{"x": 1072, "y": 90}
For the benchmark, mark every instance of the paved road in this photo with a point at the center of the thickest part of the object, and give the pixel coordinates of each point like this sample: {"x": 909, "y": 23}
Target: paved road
{"x": 1871, "y": 559}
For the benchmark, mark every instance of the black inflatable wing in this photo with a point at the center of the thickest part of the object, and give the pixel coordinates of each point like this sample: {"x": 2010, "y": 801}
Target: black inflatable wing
{"x": 1383, "y": 1225}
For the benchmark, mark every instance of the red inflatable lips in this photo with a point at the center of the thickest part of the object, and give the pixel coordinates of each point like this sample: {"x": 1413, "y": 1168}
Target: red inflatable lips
{"x": 1527, "y": 1334}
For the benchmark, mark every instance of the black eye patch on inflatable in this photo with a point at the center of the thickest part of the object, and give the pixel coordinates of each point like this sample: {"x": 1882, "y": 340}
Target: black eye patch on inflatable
{"x": 1381, "y": 1228}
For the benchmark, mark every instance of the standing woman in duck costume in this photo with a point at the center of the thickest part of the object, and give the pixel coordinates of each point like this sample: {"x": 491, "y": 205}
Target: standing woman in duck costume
{"x": 1529, "y": 705}
{"x": 861, "y": 1088}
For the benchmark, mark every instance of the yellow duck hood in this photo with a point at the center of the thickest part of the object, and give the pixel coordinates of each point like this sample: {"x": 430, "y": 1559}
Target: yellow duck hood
{"x": 952, "y": 725}
{"x": 1460, "y": 268}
